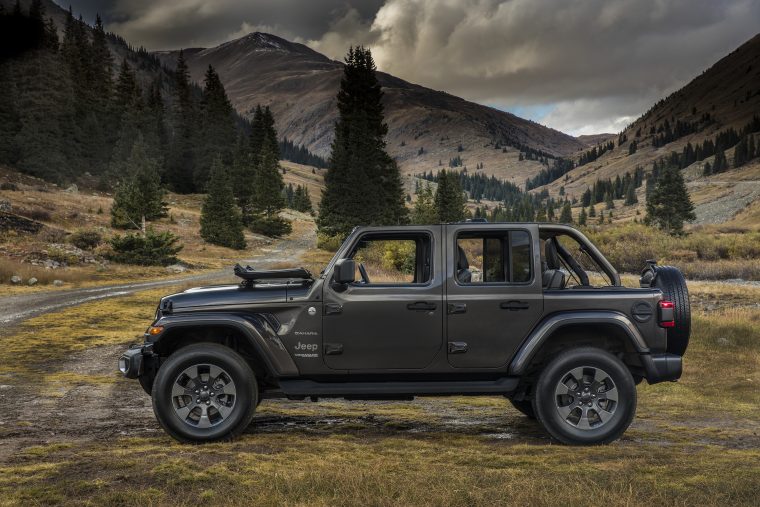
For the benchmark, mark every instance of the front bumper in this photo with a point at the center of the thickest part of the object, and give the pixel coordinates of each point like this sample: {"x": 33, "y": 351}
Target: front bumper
{"x": 132, "y": 362}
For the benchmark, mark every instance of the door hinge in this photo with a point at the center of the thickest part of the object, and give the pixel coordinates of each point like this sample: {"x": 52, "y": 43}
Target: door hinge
{"x": 457, "y": 347}
{"x": 457, "y": 308}
{"x": 333, "y": 349}
{"x": 332, "y": 309}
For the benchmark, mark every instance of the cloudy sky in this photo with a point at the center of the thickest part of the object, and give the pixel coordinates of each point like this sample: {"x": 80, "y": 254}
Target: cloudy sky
{"x": 581, "y": 66}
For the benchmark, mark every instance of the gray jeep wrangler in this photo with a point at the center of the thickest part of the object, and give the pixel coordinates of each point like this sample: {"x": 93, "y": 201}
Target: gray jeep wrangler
{"x": 529, "y": 311}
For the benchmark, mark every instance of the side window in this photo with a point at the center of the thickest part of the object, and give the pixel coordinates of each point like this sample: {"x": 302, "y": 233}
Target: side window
{"x": 493, "y": 257}
{"x": 520, "y": 256}
{"x": 404, "y": 259}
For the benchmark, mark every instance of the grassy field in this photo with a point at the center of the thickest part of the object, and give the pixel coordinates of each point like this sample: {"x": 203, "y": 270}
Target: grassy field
{"x": 63, "y": 213}
{"x": 74, "y": 432}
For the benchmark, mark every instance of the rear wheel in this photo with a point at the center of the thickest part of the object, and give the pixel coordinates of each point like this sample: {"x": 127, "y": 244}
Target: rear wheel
{"x": 204, "y": 392}
{"x": 585, "y": 396}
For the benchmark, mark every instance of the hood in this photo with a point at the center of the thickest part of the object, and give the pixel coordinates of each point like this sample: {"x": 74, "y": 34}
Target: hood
{"x": 224, "y": 295}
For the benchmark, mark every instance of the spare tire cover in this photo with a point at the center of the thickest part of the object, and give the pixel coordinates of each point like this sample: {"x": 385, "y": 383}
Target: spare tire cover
{"x": 672, "y": 283}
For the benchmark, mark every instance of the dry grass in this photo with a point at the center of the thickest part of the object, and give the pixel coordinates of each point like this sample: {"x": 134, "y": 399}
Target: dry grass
{"x": 705, "y": 253}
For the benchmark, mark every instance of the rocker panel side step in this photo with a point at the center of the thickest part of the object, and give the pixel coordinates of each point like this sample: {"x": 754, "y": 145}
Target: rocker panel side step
{"x": 502, "y": 385}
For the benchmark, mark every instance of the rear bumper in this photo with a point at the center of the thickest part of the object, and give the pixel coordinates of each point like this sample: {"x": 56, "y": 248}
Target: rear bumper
{"x": 662, "y": 367}
{"x": 132, "y": 362}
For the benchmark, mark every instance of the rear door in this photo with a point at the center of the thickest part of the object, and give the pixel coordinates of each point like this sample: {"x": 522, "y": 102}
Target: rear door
{"x": 493, "y": 289}
{"x": 394, "y": 320}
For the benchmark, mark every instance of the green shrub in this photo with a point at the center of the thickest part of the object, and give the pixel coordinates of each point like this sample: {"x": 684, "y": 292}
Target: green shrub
{"x": 273, "y": 227}
{"x": 86, "y": 240}
{"x": 329, "y": 243}
{"x": 153, "y": 249}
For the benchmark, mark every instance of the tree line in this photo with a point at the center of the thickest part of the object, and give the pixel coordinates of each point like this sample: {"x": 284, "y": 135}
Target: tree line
{"x": 70, "y": 107}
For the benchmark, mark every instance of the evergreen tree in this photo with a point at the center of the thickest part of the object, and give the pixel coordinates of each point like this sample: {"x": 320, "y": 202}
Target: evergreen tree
{"x": 362, "y": 184}
{"x": 591, "y": 211}
{"x": 220, "y": 218}
{"x": 630, "y": 195}
{"x": 217, "y": 128}
{"x": 670, "y": 205}
{"x": 608, "y": 202}
{"x": 266, "y": 199}
{"x": 582, "y": 217}
{"x": 140, "y": 194}
{"x": 425, "y": 211}
{"x": 741, "y": 153}
{"x": 302, "y": 200}
{"x": 566, "y": 217}
{"x": 182, "y": 153}
{"x": 449, "y": 198}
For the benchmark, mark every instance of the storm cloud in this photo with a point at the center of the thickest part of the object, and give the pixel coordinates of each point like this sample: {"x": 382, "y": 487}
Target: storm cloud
{"x": 582, "y": 66}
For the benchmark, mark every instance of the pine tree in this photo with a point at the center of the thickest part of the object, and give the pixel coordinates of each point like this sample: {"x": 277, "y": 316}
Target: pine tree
{"x": 670, "y": 205}
{"x": 218, "y": 133}
{"x": 140, "y": 194}
{"x": 449, "y": 198}
{"x": 591, "y": 211}
{"x": 266, "y": 199}
{"x": 566, "y": 217}
{"x": 424, "y": 211}
{"x": 582, "y": 217}
{"x": 302, "y": 200}
{"x": 182, "y": 152}
{"x": 220, "y": 218}
{"x": 363, "y": 183}
{"x": 630, "y": 195}
{"x": 741, "y": 153}
{"x": 608, "y": 202}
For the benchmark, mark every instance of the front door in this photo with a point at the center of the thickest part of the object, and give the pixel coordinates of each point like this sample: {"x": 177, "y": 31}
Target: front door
{"x": 493, "y": 291}
{"x": 391, "y": 317}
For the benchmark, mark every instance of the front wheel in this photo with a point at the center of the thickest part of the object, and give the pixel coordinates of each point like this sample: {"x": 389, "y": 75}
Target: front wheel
{"x": 203, "y": 393}
{"x": 585, "y": 396}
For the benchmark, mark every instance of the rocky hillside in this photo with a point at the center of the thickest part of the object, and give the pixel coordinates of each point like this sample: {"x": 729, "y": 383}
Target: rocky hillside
{"x": 425, "y": 126}
{"x": 725, "y": 96}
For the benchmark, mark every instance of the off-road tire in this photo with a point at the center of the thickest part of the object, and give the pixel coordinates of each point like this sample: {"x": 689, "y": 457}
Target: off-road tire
{"x": 672, "y": 283}
{"x": 525, "y": 407}
{"x": 545, "y": 401}
{"x": 246, "y": 393}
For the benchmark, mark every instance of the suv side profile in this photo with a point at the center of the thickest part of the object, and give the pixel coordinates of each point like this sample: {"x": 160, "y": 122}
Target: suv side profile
{"x": 530, "y": 311}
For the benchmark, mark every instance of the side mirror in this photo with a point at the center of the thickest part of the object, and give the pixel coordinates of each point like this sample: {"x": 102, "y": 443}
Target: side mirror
{"x": 344, "y": 271}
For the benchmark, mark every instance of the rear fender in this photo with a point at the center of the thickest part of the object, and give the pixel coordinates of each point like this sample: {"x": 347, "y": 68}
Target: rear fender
{"x": 542, "y": 333}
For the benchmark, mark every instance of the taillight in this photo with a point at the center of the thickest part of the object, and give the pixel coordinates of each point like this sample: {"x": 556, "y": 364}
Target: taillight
{"x": 667, "y": 314}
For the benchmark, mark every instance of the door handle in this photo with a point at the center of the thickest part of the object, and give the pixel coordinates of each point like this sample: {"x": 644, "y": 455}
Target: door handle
{"x": 514, "y": 305}
{"x": 422, "y": 306}
{"x": 457, "y": 308}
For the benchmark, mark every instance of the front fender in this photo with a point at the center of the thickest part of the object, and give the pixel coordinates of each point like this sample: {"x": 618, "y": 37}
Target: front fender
{"x": 256, "y": 329}
{"x": 548, "y": 326}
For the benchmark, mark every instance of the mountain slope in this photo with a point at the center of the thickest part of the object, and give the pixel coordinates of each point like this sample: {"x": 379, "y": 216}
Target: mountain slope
{"x": 425, "y": 126}
{"x": 729, "y": 92}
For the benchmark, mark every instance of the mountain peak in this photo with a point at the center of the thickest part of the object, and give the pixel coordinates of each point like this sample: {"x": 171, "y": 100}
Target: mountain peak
{"x": 265, "y": 42}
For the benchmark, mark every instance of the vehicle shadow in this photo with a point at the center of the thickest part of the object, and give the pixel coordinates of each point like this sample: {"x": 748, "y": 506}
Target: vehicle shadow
{"x": 422, "y": 417}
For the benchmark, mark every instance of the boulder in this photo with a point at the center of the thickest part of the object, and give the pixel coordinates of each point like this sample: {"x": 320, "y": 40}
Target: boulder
{"x": 15, "y": 280}
{"x": 57, "y": 283}
{"x": 32, "y": 281}
{"x": 176, "y": 268}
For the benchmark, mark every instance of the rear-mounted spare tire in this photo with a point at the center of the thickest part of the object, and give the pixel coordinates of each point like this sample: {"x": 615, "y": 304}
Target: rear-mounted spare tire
{"x": 672, "y": 283}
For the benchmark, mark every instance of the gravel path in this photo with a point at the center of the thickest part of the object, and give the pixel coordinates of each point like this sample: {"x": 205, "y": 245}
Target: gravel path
{"x": 14, "y": 309}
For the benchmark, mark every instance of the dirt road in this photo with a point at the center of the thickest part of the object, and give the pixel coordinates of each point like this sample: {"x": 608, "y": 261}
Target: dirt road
{"x": 14, "y": 309}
